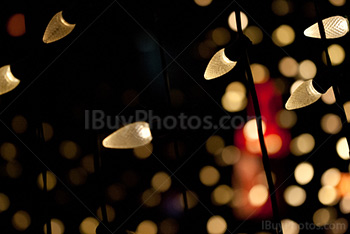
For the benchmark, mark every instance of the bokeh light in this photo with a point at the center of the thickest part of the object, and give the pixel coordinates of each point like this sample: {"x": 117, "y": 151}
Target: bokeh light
{"x": 329, "y": 97}
{"x": 143, "y": 152}
{"x": 4, "y": 202}
{"x": 302, "y": 144}
{"x": 234, "y": 101}
{"x": 88, "y": 225}
{"x": 147, "y": 227}
{"x": 346, "y": 106}
{"x": 250, "y": 129}
{"x": 16, "y": 26}
{"x": 336, "y": 53}
{"x": 281, "y": 7}
{"x": 260, "y": 73}
{"x": 116, "y": 192}
{"x": 237, "y": 87}
{"x": 209, "y": 175}
{"x": 304, "y": 173}
{"x": 48, "y": 131}
{"x": 344, "y": 204}
{"x": 69, "y": 149}
{"x": 232, "y": 21}
{"x": 87, "y": 163}
{"x": 161, "y": 181}
{"x": 51, "y": 181}
{"x": 328, "y": 195}
{"x": 110, "y": 213}
{"x": 203, "y": 3}
{"x": 288, "y": 67}
{"x": 343, "y": 148}
{"x": 337, "y": 2}
{"x": 290, "y": 227}
{"x": 331, "y": 177}
{"x": 324, "y": 216}
{"x": 192, "y": 199}
{"x": 254, "y": 34}
{"x": 222, "y": 195}
{"x": 286, "y": 119}
{"x": 151, "y": 198}
{"x": 295, "y": 85}
{"x": 331, "y": 124}
{"x": 230, "y": 155}
{"x": 57, "y": 227}
{"x": 258, "y": 195}
{"x": 216, "y": 225}
{"x": 77, "y": 176}
{"x": 215, "y": 144}
{"x": 169, "y": 226}
{"x": 221, "y": 36}
{"x": 8, "y": 151}
{"x": 19, "y": 124}
{"x": 307, "y": 69}
{"x": 294, "y": 195}
{"x": 284, "y": 35}
{"x": 21, "y": 220}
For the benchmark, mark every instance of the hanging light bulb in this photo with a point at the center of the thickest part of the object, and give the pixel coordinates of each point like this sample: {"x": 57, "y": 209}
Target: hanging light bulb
{"x": 219, "y": 65}
{"x": 57, "y": 29}
{"x": 7, "y": 80}
{"x": 334, "y": 27}
{"x": 303, "y": 96}
{"x": 130, "y": 136}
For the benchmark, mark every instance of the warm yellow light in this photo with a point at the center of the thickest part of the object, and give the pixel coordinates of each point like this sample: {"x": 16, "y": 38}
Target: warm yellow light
{"x": 209, "y": 175}
{"x": 323, "y": 216}
{"x": 329, "y": 97}
{"x": 294, "y": 195}
{"x": 57, "y": 29}
{"x": 143, "y": 152}
{"x": 237, "y": 87}
{"x": 19, "y": 124}
{"x": 347, "y": 110}
{"x": 130, "y": 136}
{"x": 203, "y": 3}
{"x": 161, "y": 182}
{"x": 21, "y": 220}
{"x": 302, "y": 144}
{"x": 258, "y": 195}
{"x": 4, "y": 202}
{"x": 221, "y": 36}
{"x": 232, "y": 21}
{"x": 234, "y": 101}
{"x": 343, "y": 148}
{"x": 254, "y": 34}
{"x": 295, "y": 85}
{"x": 286, "y": 119}
{"x": 288, "y": 67}
{"x": 303, "y": 96}
{"x": 215, "y": 144}
{"x": 337, "y": 2}
{"x": 307, "y": 69}
{"x": 336, "y": 54}
{"x": 151, "y": 198}
{"x": 8, "y": 151}
{"x": 260, "y": 73}
{"x": 280, "y": 7}
{"x": 230, "y": 155}
{"x": 51, "y": 181}
{"x": 304, "y": 173}
{"x": 344, "y": 205}
{"x": 192, "y": 199}
{"x": 88, "y": 225}
{"x": 7, "y": 80}
{"x": 216, "y": 225}
{"x": 69, "y": 149}
{"x": 335, "y": 26}
{"x": 57, "y": 227}
{"x": 219, "y": 65}
{"x": 284, "y": 35}
{"x": 331, "y": 177}
{"x": 250, "y": 129}
{"x": 110, "y": 213}
{"x": 290, "y": 227}
{"x": 147, "y": 227}
{"x": 273, "y": 143}
{"x": 328, "y": 195}
{"x": 331, "y": 124}
{"x": 222, "y": 195}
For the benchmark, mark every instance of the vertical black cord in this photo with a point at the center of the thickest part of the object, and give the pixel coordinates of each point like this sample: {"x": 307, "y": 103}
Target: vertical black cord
{"x": 265, "y": 157}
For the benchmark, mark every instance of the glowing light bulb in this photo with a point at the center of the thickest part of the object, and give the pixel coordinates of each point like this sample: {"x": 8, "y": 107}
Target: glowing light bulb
{"x": 57, "y": 29}
{"x": 130, "y": 136}
{"x": 303, "y": 96}
{"x": 334, "y": 27}
{"x": 219, "y": 65}
{"x": 7, "y": 80}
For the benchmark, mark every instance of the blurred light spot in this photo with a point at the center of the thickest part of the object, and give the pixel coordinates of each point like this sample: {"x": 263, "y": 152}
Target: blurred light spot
{"x": 234, "y": 101}
{"x": 214, "y": 144}
{"x": 57, "y": 227}
{"x": 237, "y": 87}
{"x": 347, "y": 110}
{"x": 14, "y": 169}
{"x": 110, "y": 213}
{"x": 336, "y": 53}
{"x": 161, "y": 182}
{"x": 221, "y": 36}
{"x": 77, "y": 176}
{"x": 329, "y": 97}
{"x": 289, "y": 226}
{"x": 51, "y": 180}
{"x": 250, "y": 129}
{"x": 8, "y": 151}
{"x": 343, "y": 148}
{"x": 294, "y": 195}
{"x": 260, "y": 73}
{"x": 116, "y": 192}
{"x": 209, "y": 175}
{"x": 280, "y": 7}
{"x": 340, "y": 226}
{"x": 230, "y": 155}
{"x": 147, "y": 227}
{"x": 169, "y": 226}
{"x": 143, "y": 152}
{"x": 222, "y": 195}
{"x": 328, "y": 195}
{"x": 4, "y": 202}
{"x": 19, "y": 124}
{"x": 331, "y": 177}
{"x": 284, "y": 35}
{"x": 302, "y": 144}
{"x": 69, "y": 149}
{"x": 286, "y": 119}
{"x": 151, "y": 198}
{"x": 88, "y": 225}
{"x": 304, "y": 173}
{"x": 343, "y": 187}
{"x": 21, "y": 220}
{"x": 344, "y": 204}
{"x": 216, "y": 225}
{"x": 203, "y": 3}
{"x": 331, "y": 124}
{"x": 206, "y": 49}
{"x": 323, "y": 216}
{"x": 192, "y": 199}
{"x": 273, "y": 143}
{"x": 258, "y": 195}
{"x": 48, "y": 131}
{"x": 295, "y": 85}
{"x": 232, "y": 21}
{"x": 16, "y": 26}
{"x": 88, "y": 163}
{"x": 254, "y": 34}
{"x": 288, "y": 67}
{"x": 337, "y": 2}
{"x": 307, "y": 69}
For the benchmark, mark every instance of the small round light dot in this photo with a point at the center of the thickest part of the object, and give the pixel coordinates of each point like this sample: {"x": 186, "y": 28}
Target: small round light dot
{"x": 232, "y": 21}
{"x": 307, "y": 69}
{"x": 343, "y": 148}
{"x": 216, "y": 225}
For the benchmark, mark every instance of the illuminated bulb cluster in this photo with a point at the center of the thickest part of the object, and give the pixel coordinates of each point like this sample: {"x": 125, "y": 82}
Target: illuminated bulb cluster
{"x": 57, "y": 29}
{"x": 7, "y": 81}
{"x": 303, "y": 96}
{"x": 334, "y": 27}
{"x": 219, "y": 65}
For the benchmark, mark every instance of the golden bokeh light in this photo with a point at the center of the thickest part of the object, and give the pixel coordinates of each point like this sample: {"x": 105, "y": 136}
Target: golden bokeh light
{"x": 14, "y": 169}
{"x": 295, "y": 85}
{"x": 110, "y": 213}
{"x": 343, "y": 148}
{"x": 329, "y": 97}
{"x": 209, "y": 175}
{"x": 88, "y": 226}
{"x": 302, "y": 144}
{"x": 232, "y": 21}
{"x": 4, "y": 202}
{"x": 250, "y": 129}
{"x": 260, "y": 73}
{"x": 258, "y": 195}
{"x": 216, "y": 225}
{"x": 203, "y": 3}
{"x": 57, "y": 227}
{"x": 290, "y": 227}
{"x": 281, "y": 7}
{"x": 331, "y": 177}
{"x": 222, "y": 195}
{"x": 254, "y": 34}
{"x": 328, "y": 195}
{"x": 331, "y": 124}
{"x": 19, "y": 124}
{"x": 237, "y": 87}
{"x": 307, "y": 69}
{"x": 192, "y": 199}
{"x": 48, "y": 131}
{"x": 284, "y": 35}
{"x": 116, "y": 192}
{"x": 147, "y": 227}
{"x": 215, "y": 144}
{"x": 77, "y": 176}
{"x": 337, "y": 2}
{"x": 304, "y": 173}
{"x": 87, "y": 163}
{"x": 340, "y": 225}
{"x": 230, "y": 155}
{"x": 21, "y": 220}
{"x": 8, "y": 151}
{"x": 221, "y": 36}
{"x": 161, "y": 182}
{"x": 273, "y": 143}
{"x": 346, "y": 106}
{"x": 234, "y": 101}
{"x": 51, "y": 181}
{"x": 288, "y": 67}
{"x": 69, "y": 149}
{"x": 151, "y": 198}
{"x": 336, "y": 53}
{"x": 143, "y": 152}
{"x": 294, "y": 195}
{"x": 344, "y": 204}
{"x": 286, "y": 119}
{"x": 324, "y": 216}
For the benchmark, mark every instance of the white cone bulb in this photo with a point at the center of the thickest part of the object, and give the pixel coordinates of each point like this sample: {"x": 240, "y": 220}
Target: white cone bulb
{"x": 303, "y": 96}
{"x": 7, "y": 81}
{"x": 219, "y": 65}
{"x": 130, "y": 136}
{"x": 57, "y": 29}
{"x": 334, "y": 27}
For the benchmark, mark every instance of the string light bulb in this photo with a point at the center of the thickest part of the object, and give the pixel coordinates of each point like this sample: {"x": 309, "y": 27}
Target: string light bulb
{"x": 8, "y": 81}
{"x": 130, "y": 136}
{"x": 219, "y": 65}
{"x": 303, "y": 96}
{"x": 334, "y": 27}
{"x": 57, "y": 29}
